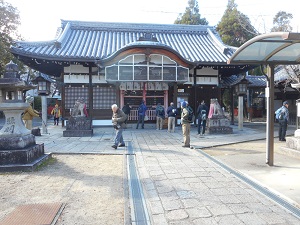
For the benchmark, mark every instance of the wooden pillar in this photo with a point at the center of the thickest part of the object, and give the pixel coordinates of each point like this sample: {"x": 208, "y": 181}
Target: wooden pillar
{"x": 166, "y": 103}
{"x": 63, "y": 102}
{"x": 122, "y": 102}
{"x": 90, "y": 90}
{"x": 144, "y": 92}
{"x": 175, "y": 94}
{"x": 175, "y": 100}
{"x": 195, "y": 91}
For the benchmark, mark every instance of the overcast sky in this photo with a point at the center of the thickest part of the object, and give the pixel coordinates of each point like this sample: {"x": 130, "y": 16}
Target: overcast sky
{"x": 41, "y": 18}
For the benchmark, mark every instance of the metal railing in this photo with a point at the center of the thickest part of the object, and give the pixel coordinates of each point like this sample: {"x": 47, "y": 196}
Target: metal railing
{"x": 134, "y": 115}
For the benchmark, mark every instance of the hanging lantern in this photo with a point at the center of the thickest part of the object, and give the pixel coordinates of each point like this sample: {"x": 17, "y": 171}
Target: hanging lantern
{"x": 43, "y": 81}
{"x": 241, "y": 87}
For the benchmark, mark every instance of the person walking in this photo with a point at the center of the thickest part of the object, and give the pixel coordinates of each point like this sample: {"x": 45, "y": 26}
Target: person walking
{"x": 282, "y": 115}
{"x": 186, "y": 126}
{"x": 118, "y": 119}
{"x": 141, "y": 112}
{"x": 126, "y": 109}
{"x": 29, "y": 113}
{"x": 202, "y": 112}
{"x": 172, "y": 113}
{"x": 56, "y": 113}
{"x": 160, "y": 116}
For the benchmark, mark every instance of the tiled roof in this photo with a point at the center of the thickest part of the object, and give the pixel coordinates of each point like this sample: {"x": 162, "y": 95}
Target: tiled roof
{"x": 90, "y": 41}
{"x": 254, "y": 81}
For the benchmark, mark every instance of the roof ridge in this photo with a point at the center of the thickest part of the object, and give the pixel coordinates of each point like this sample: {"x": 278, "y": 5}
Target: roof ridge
{"x": 35, "y": 43}
{"x": 137, "y": 26}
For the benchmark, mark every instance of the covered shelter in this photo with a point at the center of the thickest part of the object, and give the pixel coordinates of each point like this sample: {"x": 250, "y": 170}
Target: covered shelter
{"x": 277, "y": 48}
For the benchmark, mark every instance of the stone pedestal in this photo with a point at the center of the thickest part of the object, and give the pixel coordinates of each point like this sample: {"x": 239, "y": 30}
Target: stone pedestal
{"x": 21, "y": 156}
{"x": 18, "y": 149}
{"x": 217, "y": 125}
{"x": 12, "y": 142}
{"x": 78, "y": 127}
{"x": 292, "y": 147}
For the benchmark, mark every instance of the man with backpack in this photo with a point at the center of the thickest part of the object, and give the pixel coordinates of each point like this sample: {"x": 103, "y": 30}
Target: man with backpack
{"x": 202, "y": 112}
{"x": 282, "y": 115}
{"x": 172, "y": 112}
{"x": 191, "y": 112}
{"x": 160, "y": 116}
{"x": 186, "y": 125}
{"x": 141, "y": 112}
{"x": 126, "y": 109}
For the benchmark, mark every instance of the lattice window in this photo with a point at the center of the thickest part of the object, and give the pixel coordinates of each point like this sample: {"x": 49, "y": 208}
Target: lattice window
{"x": 104, "y": 97}
{"x": 73, "y": 93}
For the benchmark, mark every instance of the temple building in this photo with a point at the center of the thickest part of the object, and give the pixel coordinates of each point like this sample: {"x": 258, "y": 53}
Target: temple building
{"x": 107, "y": 63}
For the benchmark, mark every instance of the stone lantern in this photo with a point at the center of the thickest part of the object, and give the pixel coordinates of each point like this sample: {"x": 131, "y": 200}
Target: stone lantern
{"x": 18, "y": 149}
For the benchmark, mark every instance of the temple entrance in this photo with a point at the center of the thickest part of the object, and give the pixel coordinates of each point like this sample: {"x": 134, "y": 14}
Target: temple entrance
{"x": 151, "y": 97}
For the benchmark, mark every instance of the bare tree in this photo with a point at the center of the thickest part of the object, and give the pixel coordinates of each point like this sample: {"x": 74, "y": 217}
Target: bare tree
{"x": 281, "y": 22}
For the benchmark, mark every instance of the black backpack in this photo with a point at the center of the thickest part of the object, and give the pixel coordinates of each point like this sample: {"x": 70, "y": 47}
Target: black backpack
{"x": 191, "y": 114}
{"x": 161, "y": 111}
{"x": 126, "y": 110}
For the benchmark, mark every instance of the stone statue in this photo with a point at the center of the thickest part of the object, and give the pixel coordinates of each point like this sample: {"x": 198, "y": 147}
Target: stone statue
{"x": 217, "y": 121}
{"x": 79, "y": 108}
{"x": 78, "y": 125}
{"x": 215, "y": 110}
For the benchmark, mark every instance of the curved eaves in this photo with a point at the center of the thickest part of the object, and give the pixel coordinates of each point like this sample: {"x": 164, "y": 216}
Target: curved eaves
{"x": 145, "y": 44}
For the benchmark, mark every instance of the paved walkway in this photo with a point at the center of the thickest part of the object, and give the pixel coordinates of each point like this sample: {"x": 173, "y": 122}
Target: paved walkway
{"x": 103, "y": 137}
{"x": 181, "y": 185}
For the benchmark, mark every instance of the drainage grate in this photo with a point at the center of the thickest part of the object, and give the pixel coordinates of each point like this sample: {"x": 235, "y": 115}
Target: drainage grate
{"x": 138, "y": 204}
{"x": 288, "y": 206}
{"x": 33, "y": 214}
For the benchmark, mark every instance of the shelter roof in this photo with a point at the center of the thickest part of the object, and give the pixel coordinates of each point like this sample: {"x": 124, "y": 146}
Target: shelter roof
{"x": 274, "y": 48}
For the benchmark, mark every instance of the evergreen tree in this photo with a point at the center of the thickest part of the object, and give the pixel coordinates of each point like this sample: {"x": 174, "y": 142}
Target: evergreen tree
{"x": 282, "y": 21}
{"x": 9, "y": 21}
{"x": 191, "y": 16}
{"x": 235, "y": 28}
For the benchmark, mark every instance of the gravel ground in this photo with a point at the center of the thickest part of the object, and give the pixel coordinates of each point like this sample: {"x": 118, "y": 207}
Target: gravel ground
{"x": 90, "y": 186}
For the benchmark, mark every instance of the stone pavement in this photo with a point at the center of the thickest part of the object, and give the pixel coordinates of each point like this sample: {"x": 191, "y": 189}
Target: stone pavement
{"x": 180, "y": 185}
{"x": 183, "y": 187}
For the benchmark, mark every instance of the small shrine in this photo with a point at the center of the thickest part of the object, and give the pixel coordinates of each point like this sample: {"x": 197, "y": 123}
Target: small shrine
{"x": 217, "y": 121}
{"x": 78, "y": 125}
{"x": 18, "y": 149}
